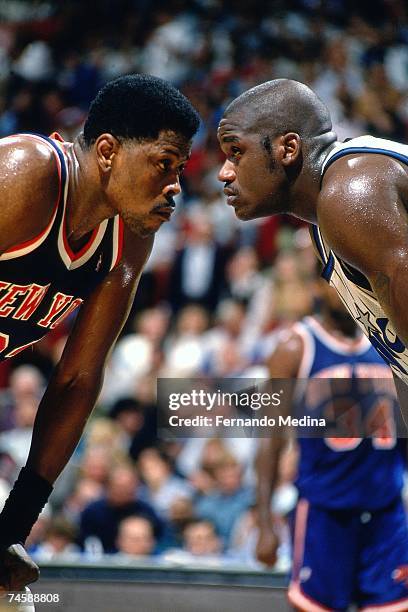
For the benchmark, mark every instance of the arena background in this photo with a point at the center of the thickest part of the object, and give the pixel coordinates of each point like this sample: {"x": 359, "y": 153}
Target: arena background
{"x": 211, "y": 299}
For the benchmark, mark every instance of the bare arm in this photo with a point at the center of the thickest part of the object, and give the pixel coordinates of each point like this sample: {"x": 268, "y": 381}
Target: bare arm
{"x": 362, "y": 213}
{"x": 76, "y": 382}
{"x": 283, "y": 363}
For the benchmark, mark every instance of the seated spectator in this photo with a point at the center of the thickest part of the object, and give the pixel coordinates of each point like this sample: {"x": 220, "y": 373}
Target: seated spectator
{"x": 59, "y": 541}
{"x": 184, "y": 350}
{"x": 201, "y": 540}
{"x": 201, "y": 546}
{"x": 181, "y": 513}
{"x": 136, "y": 422}
{"x": 136, "y": 537}
{"x": 26, "y": 383}
{"x": 16, "y": 442}
{"x": 228, "y": 501}
{"x": 161, "y": 485}
{"x": 96, "y": 465}
{"x": 86, "y": 491}
{"x": 101, "y": 518}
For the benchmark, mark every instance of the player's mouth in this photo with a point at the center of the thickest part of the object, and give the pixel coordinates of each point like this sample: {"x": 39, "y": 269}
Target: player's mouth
{"x": 232, "y": 196}
{"x": 165, "y": 209}
{"x": 165, "y": 212}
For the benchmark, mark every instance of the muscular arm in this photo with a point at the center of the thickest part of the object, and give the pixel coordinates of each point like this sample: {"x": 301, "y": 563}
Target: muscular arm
{"x": 362, "y": 212}
{"x": 76, "y": 382}
{"x": 283, "y": 363}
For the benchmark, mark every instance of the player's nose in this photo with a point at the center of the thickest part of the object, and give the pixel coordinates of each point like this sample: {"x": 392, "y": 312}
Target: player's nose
{"x": 227, "y": 172}
{"x": 173, "y": 188}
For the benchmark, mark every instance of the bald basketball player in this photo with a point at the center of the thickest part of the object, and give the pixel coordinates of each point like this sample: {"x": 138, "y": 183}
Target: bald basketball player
{"x": 76, "y": 228}
{"x": 282, "y": 156}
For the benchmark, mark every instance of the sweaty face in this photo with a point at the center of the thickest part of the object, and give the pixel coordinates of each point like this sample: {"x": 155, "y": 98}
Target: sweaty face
{"x": 144, "y": 180}
{"x": 255, "y": 184}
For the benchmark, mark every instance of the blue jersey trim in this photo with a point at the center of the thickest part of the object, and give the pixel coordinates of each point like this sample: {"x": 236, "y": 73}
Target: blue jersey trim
{"x": 61, "y": 157}
{"x": 378, "y": 151}
{"x": 328, "y": 268}
{"x": 317, "y": 240}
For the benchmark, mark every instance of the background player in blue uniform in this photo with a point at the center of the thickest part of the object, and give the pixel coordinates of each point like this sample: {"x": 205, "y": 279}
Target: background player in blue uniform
{"x": 278, "y": 140}
{"x": 350, "y": 535}
{"x": 76, "y": 226}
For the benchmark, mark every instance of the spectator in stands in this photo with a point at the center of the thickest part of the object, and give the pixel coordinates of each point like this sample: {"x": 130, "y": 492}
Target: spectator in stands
{"x": 59, "y": 541}
{"x": 136, "y": 537}
{"x": 230, "y": 495}
{"x": 161, "y": 485}
{"x": 101, "y": 518}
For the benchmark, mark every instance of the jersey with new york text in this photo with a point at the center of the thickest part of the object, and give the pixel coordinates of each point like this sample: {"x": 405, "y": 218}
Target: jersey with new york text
{"x": 352, "y": 286}
{"x": 42, "y": 281}
{"x": 348, "y": 473}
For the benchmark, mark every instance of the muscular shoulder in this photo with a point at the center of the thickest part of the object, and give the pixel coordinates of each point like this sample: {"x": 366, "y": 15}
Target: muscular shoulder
{"x": 28, "y": 188}
{"x": 361, "y": 208}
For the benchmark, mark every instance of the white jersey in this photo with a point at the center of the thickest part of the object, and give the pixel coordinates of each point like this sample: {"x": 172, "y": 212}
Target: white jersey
{"x": 352, "y": 286}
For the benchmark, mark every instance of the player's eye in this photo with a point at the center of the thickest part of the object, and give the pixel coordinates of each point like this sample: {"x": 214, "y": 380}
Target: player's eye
{"x": 181, "y": 169}
{"x": 235, "y": 153}
{"x": 165, "y": 164}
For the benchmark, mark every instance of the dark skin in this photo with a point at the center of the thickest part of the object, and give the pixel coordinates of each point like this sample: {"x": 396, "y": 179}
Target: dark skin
{"x": 285, "y": 363}
{"x": 133, "y": 179}
{"x": 362, "y": 202}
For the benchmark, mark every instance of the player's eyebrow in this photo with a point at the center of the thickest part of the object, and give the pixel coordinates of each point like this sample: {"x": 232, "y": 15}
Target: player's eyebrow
{"x": 229, "y": 138}
{"x": 178, "y": 154}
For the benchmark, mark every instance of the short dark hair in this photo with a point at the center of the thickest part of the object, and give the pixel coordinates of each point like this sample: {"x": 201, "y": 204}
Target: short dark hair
{"x": 140, "y": 106}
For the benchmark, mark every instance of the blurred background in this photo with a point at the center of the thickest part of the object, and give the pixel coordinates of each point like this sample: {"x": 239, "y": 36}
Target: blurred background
{"x": 215, "y": 290}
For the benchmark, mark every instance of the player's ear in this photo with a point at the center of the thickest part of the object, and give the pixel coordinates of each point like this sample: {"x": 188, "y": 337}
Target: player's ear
{"x": 106, "y": 147}
{"x": 290, "y": 148}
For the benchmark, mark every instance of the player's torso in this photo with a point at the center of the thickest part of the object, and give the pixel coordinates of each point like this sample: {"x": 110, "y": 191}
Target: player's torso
{"x": 42, "y": 280}
{"x": 353, "y": 287}
{"x": 347, "y": 472}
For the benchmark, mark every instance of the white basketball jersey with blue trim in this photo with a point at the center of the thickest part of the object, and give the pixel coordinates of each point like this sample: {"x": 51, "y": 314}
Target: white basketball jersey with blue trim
{"x": 352, "y": 286}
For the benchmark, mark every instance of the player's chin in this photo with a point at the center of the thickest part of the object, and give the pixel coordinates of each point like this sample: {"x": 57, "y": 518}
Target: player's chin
{"x": 245, "y": 212}
{"x": 146, "y": 227}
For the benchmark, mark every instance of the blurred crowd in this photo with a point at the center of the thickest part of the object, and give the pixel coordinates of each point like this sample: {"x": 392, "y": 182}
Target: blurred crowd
{"x": 215, "y": 290}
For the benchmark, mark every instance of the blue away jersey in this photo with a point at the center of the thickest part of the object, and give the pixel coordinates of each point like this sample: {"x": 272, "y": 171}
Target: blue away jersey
{"x": 350, "y": 472}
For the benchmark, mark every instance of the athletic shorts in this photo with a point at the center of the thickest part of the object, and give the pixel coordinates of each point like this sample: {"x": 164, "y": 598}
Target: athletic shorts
{"x": 343, "y": 557}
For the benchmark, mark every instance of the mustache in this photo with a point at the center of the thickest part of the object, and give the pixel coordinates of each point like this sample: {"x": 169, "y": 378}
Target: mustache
{"x": 169, "y": 201}
{"x": 229, "y": 191}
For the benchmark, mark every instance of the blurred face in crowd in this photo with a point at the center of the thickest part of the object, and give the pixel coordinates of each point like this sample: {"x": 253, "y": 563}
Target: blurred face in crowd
{"x": 135, "y": 536}
{"x": 201, "y": 539}
{"x": 142, "y": 177}
{"x": 122, "y": 486}
{"x": 96, "y": 465}
{"x": 255, "y": 182}
{"x": 228, "y": 476}
{"x": 153, "y": 469}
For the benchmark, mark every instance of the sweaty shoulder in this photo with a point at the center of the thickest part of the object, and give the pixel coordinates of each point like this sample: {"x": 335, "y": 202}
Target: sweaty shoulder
{"x": 29, "y": 188}
{"x": 361, "y": 208}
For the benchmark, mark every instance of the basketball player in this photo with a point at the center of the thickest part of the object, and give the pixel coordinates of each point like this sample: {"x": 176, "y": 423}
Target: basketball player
{"x": 282, "y": 157}
{"x": 76, "y": 228}
{"x": 350, "y": 536}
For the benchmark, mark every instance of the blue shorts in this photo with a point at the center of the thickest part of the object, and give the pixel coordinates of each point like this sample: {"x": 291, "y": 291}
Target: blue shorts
{"x": 343, "y": 557}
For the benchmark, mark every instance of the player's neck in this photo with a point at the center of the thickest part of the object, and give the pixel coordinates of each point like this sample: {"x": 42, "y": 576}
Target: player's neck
{"x": 86, "y": 205}
{"x": 305, "y": 192}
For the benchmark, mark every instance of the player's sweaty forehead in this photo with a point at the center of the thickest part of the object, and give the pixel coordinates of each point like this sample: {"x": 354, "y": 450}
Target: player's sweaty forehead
{"x": 229, "y": 130}
{"x": 168, "y": 142}
{"x": 174, "y": 141}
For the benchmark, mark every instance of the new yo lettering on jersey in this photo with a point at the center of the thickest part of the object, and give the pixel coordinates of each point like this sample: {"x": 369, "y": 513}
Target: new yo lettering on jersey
{"x": 28, "y": 312}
